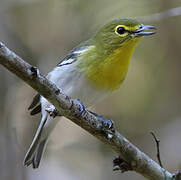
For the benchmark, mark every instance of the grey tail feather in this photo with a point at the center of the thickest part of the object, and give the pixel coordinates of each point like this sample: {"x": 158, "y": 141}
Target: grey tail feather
{"x": 38, "y": 155}
{"x": 35, "y": 160}
{"x": 35, "y": 101}
{"x": 35, "y": 144}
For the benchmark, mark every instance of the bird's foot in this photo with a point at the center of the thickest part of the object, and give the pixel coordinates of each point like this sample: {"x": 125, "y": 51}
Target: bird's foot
{"x": 80, "y": 105}
{"x": 105, "y": 125}
{"x": 120, "y": 164}
{"x": 52, "y": 111}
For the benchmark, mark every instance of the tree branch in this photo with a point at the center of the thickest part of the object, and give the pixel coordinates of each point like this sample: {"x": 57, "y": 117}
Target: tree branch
{"x": 71, "y": 109}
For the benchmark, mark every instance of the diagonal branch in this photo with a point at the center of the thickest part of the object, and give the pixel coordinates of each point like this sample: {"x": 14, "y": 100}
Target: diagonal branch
{"x": 71, "y": 109}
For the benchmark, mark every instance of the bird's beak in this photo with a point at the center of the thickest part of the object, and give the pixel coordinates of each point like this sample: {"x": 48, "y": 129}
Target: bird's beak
{"x": 144, "y": 30}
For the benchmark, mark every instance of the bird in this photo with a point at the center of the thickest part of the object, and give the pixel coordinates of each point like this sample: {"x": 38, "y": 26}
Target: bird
{"x": 90, "y": 72}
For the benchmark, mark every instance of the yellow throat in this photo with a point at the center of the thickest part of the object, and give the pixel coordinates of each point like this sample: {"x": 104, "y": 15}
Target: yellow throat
{"x": 110, "y": 73}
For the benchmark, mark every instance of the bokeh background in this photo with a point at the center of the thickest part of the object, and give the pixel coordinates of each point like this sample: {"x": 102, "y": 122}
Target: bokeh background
{"x": 42, "y": 32}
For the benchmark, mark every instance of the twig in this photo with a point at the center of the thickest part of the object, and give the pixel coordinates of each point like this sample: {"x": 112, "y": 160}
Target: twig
{"x": 157, "y": 147}
{"x": 139, "y": 162}
{"x": 162, "y": 15}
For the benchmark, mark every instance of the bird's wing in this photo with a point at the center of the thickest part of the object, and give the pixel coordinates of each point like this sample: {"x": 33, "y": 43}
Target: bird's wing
{"x": 35, "y": 106}
{"x": 35, "y": 101}
{"x": 72, "y": 55}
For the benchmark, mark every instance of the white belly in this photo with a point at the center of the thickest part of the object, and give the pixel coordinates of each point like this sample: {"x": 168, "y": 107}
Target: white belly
{"x": 75, "y": 85}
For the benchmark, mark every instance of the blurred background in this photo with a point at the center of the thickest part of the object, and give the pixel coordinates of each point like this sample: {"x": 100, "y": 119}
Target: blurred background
{"x": 42, "y": 32}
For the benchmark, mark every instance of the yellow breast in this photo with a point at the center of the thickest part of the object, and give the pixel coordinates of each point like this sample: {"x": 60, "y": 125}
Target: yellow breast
{"x": 110, "y": 74}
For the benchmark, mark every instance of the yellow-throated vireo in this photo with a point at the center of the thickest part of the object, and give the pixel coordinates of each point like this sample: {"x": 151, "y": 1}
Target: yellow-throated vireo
{"x": 89, "y": 72}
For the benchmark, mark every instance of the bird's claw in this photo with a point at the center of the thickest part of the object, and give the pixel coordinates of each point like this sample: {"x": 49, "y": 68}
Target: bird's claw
{"x": 80, "y": 104}
{"x": 52, "y": 111}
{"x": 107, "y": 124}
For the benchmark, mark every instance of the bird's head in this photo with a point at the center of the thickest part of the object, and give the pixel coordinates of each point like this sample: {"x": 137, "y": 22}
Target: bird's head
{"x": 121, "y": 32}
{"x": 107, "y": 57}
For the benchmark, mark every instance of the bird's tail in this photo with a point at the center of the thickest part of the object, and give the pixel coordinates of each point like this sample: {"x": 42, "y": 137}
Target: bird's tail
{"x": 34, "y": 154}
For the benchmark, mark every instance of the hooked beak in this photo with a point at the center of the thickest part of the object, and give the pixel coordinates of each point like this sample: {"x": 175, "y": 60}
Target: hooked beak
{"x": 144, "y": 31}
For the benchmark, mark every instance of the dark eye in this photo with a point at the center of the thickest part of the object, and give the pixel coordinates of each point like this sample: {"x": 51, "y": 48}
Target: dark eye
{"x": 121, "y": 30}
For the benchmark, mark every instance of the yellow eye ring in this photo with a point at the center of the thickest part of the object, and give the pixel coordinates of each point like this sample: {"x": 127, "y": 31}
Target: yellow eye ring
{"x": 120, "y": 30}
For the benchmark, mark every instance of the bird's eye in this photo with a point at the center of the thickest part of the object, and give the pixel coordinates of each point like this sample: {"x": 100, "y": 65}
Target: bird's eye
{"x": 121, "y": 30}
